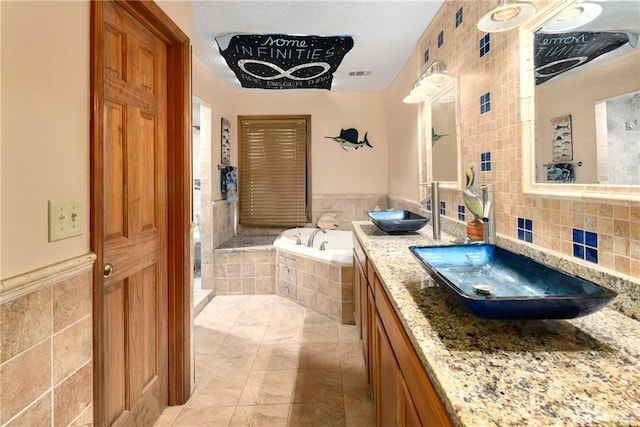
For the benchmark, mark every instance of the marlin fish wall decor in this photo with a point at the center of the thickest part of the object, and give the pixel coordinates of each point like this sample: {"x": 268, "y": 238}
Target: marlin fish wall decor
{"x": 349, "y": 139}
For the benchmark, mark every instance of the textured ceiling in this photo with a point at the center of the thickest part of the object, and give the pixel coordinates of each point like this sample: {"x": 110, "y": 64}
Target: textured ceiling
{"x": 385, "y": 33}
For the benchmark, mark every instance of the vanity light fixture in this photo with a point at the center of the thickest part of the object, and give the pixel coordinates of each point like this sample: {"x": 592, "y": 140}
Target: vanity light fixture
{"x": 507, "y": 15}
{"x": 428, "y": 83}
{"x": 572, "y": 17}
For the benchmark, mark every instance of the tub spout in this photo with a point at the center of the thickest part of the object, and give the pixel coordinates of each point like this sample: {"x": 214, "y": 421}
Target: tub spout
{"x": 313, "y": 235}
{"x": 298, "y": 241}
{"x": 323, "y": 246}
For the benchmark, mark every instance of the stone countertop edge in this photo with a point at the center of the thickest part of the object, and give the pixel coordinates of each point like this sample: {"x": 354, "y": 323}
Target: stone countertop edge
{"x": 583, "y": 371}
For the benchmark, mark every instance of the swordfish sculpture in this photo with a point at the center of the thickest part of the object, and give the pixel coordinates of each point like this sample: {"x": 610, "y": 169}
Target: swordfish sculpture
{"x": 349, "y": 139}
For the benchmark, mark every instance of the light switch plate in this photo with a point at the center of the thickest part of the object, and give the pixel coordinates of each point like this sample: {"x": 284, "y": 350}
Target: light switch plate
{"x": 65, "y": 219}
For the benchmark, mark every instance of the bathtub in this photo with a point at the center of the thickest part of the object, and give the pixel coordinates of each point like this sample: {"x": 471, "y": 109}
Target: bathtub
{"x": 338, "y": 244}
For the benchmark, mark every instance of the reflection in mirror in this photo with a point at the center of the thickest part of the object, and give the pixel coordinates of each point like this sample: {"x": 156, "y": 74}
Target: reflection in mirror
{"x": 587, "y": 80}
{"x": 444, "y": 158}
{"x": 439, "y": 160}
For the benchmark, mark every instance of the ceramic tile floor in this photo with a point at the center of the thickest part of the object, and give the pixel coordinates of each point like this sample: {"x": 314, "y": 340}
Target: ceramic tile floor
{"x": 262, "y": 360}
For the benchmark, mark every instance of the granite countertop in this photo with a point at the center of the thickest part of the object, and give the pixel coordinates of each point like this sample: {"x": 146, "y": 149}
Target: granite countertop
{"x": 581, "y": 372}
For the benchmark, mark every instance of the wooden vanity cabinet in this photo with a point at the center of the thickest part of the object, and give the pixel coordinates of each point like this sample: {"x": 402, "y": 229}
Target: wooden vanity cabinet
{"x": 419, "y": 401}
{"x": 402, "y": 391}
{"x": 364, "y": 304}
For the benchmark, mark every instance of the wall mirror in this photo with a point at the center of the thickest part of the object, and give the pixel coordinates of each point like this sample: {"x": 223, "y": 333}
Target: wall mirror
{"x": 440, "y": 147}
{"x": 581, "y": 100}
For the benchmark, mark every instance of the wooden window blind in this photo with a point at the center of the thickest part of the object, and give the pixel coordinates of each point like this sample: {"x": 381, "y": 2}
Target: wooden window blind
{"x": 274, "y": 170}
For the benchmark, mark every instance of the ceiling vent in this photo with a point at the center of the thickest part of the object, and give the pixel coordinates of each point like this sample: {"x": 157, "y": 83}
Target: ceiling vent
{"x": 359, "y": 73}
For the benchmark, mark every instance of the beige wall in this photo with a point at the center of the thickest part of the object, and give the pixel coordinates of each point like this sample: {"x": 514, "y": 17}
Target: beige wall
{"x": 334, "y": 170}
{"x": 45, "y": 132}
{"x": 45, "y": 124}
{"x": 403, "y": 134}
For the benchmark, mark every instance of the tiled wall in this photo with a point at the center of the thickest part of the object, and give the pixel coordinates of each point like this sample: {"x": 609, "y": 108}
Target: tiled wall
{"x": 46, "y": 373}
{"x": 347, "y": 207}
{"x": 324, "y": 288}
{"x": 244, "y": 272}
{"x": 491, "y": 131}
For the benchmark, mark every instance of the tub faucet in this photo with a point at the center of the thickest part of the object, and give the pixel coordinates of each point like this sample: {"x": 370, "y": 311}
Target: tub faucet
{"x": 298, "y": 241}
{"x": 313, "y": 235}
{"x": 323, "y": 246}
{"x": 435, "y": 208}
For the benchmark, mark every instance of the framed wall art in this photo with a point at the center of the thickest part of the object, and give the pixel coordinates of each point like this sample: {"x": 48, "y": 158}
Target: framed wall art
{"x": 562, "y": 139}
{"x": 225, "y": 142}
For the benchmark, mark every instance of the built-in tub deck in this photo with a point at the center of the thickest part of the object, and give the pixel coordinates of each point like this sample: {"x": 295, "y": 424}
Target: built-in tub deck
{"x": 250, "y": 264}
{"x": 245, "y": 265}
{"x": 246, "y": 242}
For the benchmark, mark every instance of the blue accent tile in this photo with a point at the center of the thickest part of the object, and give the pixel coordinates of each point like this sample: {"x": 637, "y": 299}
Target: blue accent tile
{"x": 591, "y": 255}
{"x": 459, "y": 17}
{"x": 461, "y": 213}
{"x": 485, "y": 45}
{"x": 426, "y": 56}
{"x": 578, "y": 251}
{"x": 440, "y": 38}
{"x": 525, "y": 229}
{"x": 485, "y": 103}
{"x": 578, "y": 236}
{"x": 591, "y": 239}
{"x": 485, "y": 161}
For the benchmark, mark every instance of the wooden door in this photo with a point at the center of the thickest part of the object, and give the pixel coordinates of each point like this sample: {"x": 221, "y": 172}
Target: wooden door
{"x": 134, "y": 239}
{"x": 140, "y": 231}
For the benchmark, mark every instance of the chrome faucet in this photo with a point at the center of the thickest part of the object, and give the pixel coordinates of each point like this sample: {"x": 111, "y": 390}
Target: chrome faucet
{"x": 323, "y": 246}
{"x": 435, "y": 208}
{"x": 313, "y": 235}
{"x": 298, "y": 241}
{"x": 489, "y": 217}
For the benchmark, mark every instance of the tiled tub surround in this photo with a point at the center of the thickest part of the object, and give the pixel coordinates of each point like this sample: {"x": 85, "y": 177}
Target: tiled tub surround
{"x": 245, "y": 265}
{"x": 46, "y": 372}
{"x": 582, "y": 371}
{"x": 323, "y": 287}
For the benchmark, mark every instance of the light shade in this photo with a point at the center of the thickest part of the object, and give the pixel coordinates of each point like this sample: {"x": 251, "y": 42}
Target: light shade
{"x": 506, "y": 16}
{"x": 428, "y": 83}
{"x": 573, "y": 17}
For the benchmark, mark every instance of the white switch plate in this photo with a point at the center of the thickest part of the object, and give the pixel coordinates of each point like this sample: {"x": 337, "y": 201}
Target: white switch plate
{"x": 65, "y": 219}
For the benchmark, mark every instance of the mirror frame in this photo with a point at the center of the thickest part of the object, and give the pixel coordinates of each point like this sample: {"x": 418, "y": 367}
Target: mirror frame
{"x": 530, "y": 187}
{"x": 425, "y": 152}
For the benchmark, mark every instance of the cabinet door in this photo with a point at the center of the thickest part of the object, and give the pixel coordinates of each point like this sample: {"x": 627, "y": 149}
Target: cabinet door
{"x": 409, "y": 414}
{"x": 358, "y": 277}
{"x": 387, "y": 387}
{"x": 369, "y": 320}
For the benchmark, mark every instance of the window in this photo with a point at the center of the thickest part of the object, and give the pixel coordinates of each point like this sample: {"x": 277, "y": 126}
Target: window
{"x": 274, "y": 170}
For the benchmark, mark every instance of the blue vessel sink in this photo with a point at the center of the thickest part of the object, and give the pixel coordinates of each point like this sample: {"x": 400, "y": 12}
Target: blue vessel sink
{"x": 397, "y": 221}
{"x": 494, "y": 283}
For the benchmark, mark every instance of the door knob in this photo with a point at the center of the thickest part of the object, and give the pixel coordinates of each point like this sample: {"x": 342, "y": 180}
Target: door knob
{"x": 107, "y": 270}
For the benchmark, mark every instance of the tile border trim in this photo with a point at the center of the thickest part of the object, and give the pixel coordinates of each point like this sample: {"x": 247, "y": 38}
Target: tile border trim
{"x": 23, "y": 284}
